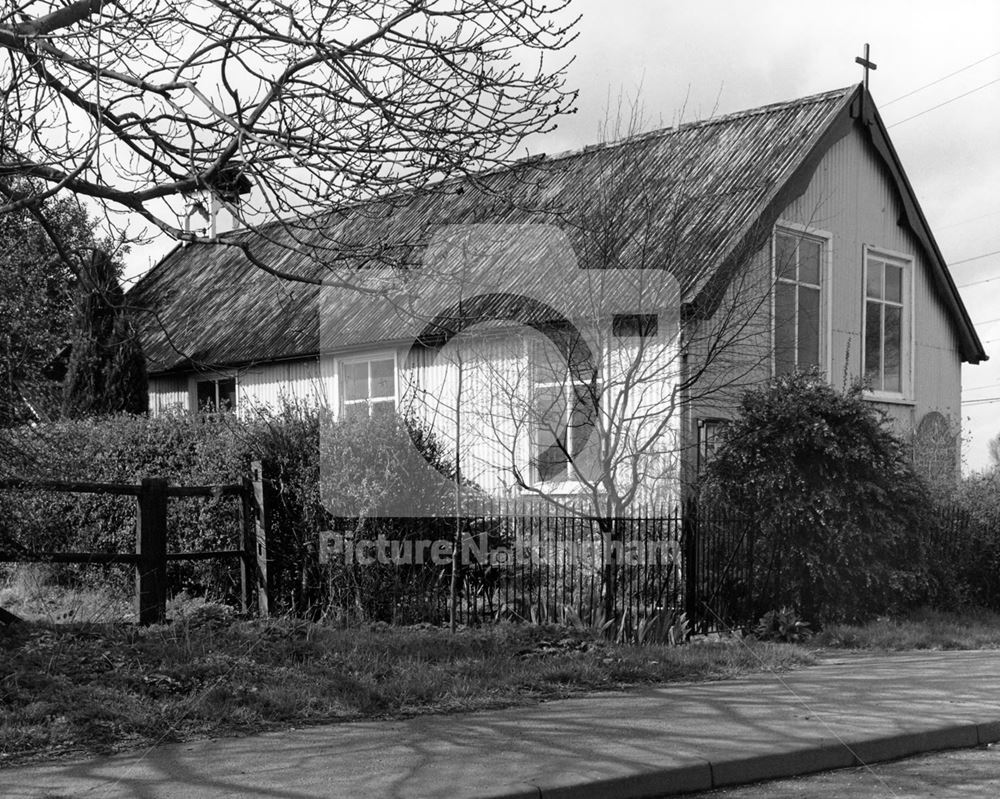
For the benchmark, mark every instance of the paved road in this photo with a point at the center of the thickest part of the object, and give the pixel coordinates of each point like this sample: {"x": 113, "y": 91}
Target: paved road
{"x": 958, "y": 774}
{"x": 643, "y": 743}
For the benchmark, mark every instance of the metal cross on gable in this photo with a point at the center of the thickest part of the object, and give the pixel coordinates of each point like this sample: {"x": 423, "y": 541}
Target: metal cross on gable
{"x": 867, "y": 63}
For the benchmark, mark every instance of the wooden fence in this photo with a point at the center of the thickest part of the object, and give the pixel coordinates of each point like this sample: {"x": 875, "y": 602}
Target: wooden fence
{"x": 151, "y": 556}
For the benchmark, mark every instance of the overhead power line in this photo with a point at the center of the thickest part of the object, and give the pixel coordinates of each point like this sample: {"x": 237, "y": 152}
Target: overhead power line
{"x": 946, "y": 102}
{"x": 987, "y": 401}
{"x": 977, "y": 282}
{"x": 975, "y": 258}
{"x": 939, "y": 80}
{"x": 966, "y": 220}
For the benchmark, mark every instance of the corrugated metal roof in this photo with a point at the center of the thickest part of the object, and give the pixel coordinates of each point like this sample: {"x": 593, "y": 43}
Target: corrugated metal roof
{"x": 681, "y": 199}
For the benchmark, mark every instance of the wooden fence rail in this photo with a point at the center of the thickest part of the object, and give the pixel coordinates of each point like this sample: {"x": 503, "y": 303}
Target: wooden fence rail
{"x": 151, "y": 556}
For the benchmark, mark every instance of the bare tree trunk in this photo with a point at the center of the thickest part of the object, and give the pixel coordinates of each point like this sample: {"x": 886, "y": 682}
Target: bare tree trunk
{"x": 456, "y": 547}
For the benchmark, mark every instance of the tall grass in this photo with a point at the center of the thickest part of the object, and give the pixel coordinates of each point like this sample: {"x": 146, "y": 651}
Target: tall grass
{"x": 923, "y": 629}
{"x": 103, "y": 687}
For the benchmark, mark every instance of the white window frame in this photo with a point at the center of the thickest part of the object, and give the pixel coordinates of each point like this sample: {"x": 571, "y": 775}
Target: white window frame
{"x": 906, "y": 261}
{"x": 570, "y": 483}
{"x": 825, "y": 238}
{"x": 368, "y": 357}
{"x": 216, "y": 378}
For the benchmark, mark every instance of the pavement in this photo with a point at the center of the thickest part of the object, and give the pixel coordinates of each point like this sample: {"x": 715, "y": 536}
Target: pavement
{"x": 650, "y": 742}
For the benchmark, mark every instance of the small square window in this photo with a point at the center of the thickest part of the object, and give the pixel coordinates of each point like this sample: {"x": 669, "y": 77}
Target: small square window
{"x": 216, "y": 395}
{"x": 368, "y": 388}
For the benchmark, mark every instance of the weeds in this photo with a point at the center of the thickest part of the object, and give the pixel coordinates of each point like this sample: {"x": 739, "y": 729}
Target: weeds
{"x": 105, "y": 687}
{"x": 923, "y": 629}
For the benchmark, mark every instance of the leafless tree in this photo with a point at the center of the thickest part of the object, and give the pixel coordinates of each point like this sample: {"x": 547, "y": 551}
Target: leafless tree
{"x": 143, "y": 105}
{"x": 591, "y": 423}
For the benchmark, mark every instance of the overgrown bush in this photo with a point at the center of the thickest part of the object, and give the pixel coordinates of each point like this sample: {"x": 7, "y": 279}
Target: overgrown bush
{"x": 839, "y": 510}
{"x": 385, "y": 477}
{"x": 184, "y": 449}
{"x": 970, "y": 554}
{"x": 370, "y": 467}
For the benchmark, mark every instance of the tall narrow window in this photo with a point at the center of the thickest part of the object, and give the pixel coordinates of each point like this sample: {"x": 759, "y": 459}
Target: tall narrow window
{"x": 798, "y": 269}
{"x": 564, "y": 409}
{"x": 709, "y": 440}
{"x": 368, "y": 387}
{"x": 885, "y": 311}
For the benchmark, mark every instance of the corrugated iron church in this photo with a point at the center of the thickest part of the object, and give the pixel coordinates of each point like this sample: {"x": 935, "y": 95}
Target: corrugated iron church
{"x": 723, "y": 252}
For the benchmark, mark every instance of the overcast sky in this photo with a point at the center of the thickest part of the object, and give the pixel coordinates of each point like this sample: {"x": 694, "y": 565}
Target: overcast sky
{"x": 723, "y": 55}
{"x": 726, "y": 55}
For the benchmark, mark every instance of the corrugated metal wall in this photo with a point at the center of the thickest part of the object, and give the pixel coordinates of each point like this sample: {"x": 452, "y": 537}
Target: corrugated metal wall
{"x": 497, "y": 418}
{"x": 269, "y": 385}
{"x": 169, "y": 393}
{"x": 639, "y": 413}
{"x": 851, "y": 198}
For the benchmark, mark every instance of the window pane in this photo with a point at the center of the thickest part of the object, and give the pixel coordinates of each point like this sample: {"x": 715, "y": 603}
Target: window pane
{"x": 893, "y": 348}
{"x": 547, "y": 364}
{"x": 873, "y": 344}
{"x": 550, "y": 409}
{"x": 551, "y": 464}
{"x": 784, "y": 328}
{"x": 784, "y": 256}
{"x": 583, "y": 418}
{"x": 550, "y": 433}
{"x": 206, "y": 395}
{"x": 893, "y": 283}
{"x": 809, "y": 261}
{"x": 808, "y": 332}
{"x": 874, "y": 278}
{"x": 227, "y": 394}
{"x": 383, "y": 378}
{"x": 639, "y": 325}
{"x": 709, "y": 439}
{"x": 355, "y": 381}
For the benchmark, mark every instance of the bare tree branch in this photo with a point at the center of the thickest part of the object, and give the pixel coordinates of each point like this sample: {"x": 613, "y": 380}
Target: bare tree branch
{"x": 318, "y": 105}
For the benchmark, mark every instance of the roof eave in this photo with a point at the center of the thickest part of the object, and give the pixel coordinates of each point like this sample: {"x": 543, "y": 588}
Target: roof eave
{"x": 970, "y": 346}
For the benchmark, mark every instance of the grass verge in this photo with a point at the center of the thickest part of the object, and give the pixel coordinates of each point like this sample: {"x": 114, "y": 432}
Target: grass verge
{"x": 923, "y": 629}
{"x": 99, "y": 688}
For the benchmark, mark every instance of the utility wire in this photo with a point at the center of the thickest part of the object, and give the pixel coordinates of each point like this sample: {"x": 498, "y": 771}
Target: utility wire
{"x": 974, "y": 258}
{"x": 936, "y": 82}
{"x": 988, "y": 401}
{"x": 990, "y": 387}
{"x": 966, "y": 221}
{"x": 977, "y": 282}
{"x": 946, "y": 102}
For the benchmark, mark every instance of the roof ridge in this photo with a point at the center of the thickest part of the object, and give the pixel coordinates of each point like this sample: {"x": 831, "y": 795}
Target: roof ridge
{"x": 570, "y": 153}
{"x": 683, "y": 127}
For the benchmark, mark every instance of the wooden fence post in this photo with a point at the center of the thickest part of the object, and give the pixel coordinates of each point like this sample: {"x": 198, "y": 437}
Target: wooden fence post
{"x": 151, "y": 547}
{"x": 248, "y": 546}
{"x": 256, "y": 537}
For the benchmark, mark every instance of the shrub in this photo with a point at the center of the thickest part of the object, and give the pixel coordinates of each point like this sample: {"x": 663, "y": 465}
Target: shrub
{"x": 123, "y": 448}
{"x": 369, "y": 466}
{"x": 833, "y": 495}
{"x": 782, "y": 626}
{"x": 970, "y": 557}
